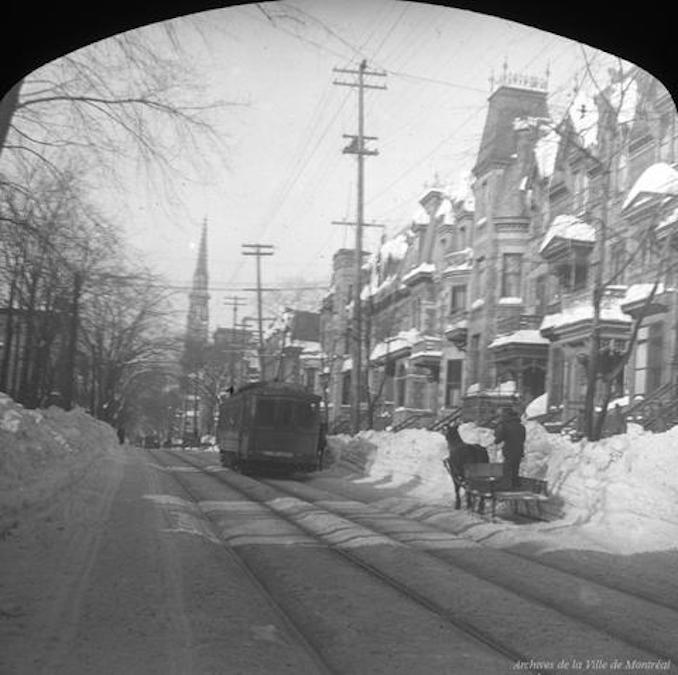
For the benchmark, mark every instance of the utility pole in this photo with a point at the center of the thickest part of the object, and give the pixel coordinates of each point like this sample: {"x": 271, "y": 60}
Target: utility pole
{"x": 259, "y": 250}
{"x": 234, "y": 301}
{"x": 357, "y": 147}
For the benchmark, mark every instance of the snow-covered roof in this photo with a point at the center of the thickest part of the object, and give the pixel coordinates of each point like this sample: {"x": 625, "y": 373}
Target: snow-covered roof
{"x": 395, "y": 248}
{"x": 568, "y": 227}
{"x": 424, "y": 268}
{"x": 445, "y": 208}
{"x": 307, "y": 346}
{"x": 523, "y": 337}
{"x": 610, "y": 310}
{"x": 638, "y": 292}
{"x": 420, "y": 216}
{"x": 463, "y": 323}
{"x": 403, "y": 340}
{"x": 659, "y": 179}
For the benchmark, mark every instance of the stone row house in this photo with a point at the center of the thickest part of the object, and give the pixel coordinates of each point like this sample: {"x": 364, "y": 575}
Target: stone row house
{"x": 486, "y": 296}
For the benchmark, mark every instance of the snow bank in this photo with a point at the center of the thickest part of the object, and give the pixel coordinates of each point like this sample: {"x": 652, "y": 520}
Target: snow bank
{"x": 626, "y": 483}
{"x": 41, "y": 450}
{"x": 623, "y": 488}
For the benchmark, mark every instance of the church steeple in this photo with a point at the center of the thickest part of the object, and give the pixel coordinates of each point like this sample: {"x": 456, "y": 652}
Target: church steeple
{"x": 197, "y": 324}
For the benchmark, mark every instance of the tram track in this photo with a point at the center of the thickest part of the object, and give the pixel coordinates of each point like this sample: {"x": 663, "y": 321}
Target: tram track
{"x": 447, "y": 614}
{"x": 478, "y": 635}
{"x": 654, "y": 599}
{"x": 311, "y": 650}
{"x": 493, "y": 557}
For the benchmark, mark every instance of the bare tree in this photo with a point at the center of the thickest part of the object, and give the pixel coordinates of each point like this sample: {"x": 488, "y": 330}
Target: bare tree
{"x": 46, "y": 237}
{"x": 124, "y": 103}
{"x": 124, "y": 335}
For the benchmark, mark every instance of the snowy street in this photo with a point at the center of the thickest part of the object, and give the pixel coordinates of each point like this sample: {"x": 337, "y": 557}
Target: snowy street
{"x": 159, "y": 561}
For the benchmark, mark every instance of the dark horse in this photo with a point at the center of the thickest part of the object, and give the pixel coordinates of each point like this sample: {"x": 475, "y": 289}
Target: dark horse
{"x": 461, "y": 454}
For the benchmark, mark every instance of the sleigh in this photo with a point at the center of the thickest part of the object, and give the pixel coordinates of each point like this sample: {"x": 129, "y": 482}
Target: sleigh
{"x": 485, "y": 482}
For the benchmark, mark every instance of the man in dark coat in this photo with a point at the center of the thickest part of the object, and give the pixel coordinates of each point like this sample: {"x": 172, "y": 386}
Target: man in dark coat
{"x": 511, "y": 433}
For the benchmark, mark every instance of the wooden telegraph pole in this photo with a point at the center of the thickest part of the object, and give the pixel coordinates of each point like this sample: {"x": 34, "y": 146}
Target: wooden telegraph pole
{"x": 234, "y": 301}
{"x": 357, "y": 147}
{"x": 259, "y": 250}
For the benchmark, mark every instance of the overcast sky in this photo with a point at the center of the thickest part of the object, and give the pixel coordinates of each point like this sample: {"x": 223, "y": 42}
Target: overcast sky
{"x": 284, "y": 178}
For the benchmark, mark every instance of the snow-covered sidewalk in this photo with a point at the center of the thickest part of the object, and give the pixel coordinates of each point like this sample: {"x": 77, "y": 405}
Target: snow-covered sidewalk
{"x": 617, "y": 495}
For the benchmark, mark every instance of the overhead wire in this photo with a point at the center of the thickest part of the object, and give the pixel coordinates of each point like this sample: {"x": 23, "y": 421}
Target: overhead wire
{"x": 400, "y": 73}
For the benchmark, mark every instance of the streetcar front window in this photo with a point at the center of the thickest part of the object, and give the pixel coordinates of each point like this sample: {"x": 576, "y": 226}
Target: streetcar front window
{"x": 265, "y": 413}
{"x": 285, "y": 419}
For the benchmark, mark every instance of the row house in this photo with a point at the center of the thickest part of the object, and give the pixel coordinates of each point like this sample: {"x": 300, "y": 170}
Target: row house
{"x": 608, "y": 196}
{"x": 486, "y": 297}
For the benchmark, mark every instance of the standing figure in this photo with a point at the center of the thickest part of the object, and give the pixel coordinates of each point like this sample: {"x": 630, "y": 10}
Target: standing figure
{"x": 511, "y": 432}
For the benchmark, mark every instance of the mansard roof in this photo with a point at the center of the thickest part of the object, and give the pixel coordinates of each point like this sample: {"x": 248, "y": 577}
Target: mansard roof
{"x": 498, "y": 143}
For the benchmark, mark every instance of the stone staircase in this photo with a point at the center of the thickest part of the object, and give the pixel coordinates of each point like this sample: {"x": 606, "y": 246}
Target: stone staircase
{"x": 658, "y": 411}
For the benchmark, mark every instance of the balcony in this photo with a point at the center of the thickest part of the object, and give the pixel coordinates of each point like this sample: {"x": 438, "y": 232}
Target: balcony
{"x": 427, "y": 352}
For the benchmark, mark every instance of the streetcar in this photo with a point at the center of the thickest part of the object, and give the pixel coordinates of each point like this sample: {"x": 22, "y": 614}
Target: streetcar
{"x": 270, "y": 425}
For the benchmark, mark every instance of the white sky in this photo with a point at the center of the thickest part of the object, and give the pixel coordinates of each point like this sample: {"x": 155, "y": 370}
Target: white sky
{"x": 286, "y": 178}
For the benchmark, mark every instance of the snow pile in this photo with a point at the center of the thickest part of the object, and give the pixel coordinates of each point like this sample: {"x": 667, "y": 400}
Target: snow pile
{"x": 626, "y": 483}
{"x": 623, "y": 490}
{"x": 409, "y": 460}
{"x": 40, "y": 451}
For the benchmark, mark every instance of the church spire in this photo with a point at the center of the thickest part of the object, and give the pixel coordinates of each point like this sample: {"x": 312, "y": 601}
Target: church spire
{"x": 200, "y": 274}
{"x": 198, "y": 299}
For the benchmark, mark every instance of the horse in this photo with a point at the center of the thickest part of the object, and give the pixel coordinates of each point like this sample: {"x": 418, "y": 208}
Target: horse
{"x": 461, "y": 454}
